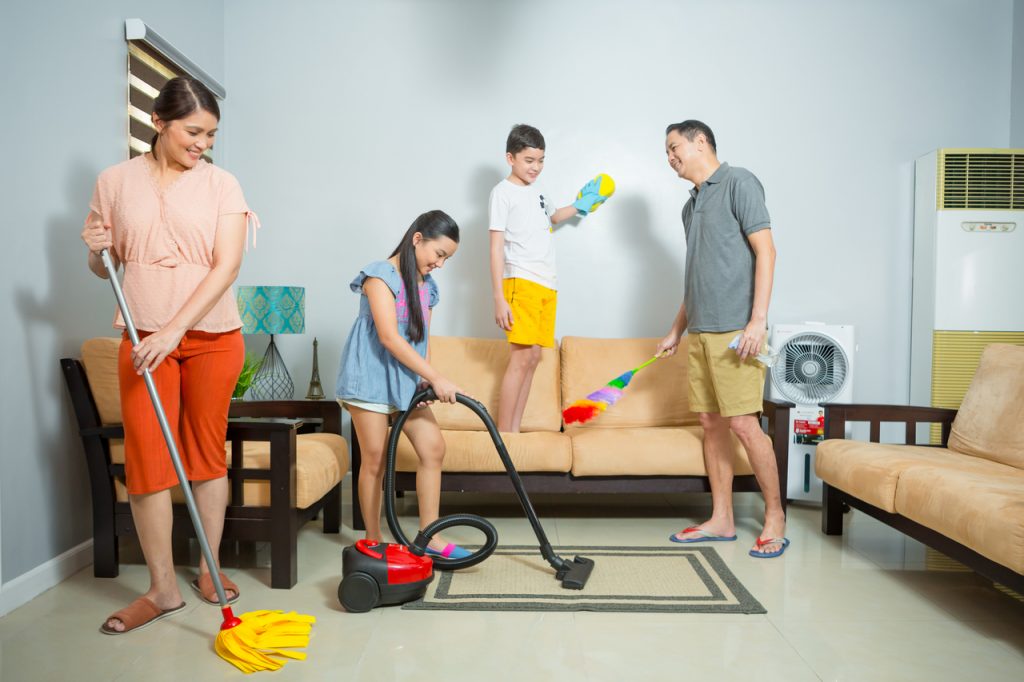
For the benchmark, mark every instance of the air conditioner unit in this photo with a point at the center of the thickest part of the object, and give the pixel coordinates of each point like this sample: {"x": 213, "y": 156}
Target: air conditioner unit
{"x": 968, "y": 267}
{"x": 814, "y": 366}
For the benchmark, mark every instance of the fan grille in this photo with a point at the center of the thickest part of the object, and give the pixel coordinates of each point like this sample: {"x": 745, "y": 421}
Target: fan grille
{"x": 812, "y": 368}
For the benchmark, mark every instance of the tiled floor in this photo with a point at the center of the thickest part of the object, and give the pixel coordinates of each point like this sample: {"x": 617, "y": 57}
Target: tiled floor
{"x": 860, "y": 607}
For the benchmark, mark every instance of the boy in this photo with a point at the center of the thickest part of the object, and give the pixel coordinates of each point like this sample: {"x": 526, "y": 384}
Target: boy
{"x": 523, "y": 277}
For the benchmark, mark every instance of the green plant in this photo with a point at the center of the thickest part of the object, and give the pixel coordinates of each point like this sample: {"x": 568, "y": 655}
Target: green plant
{"x": 249, "y": 369}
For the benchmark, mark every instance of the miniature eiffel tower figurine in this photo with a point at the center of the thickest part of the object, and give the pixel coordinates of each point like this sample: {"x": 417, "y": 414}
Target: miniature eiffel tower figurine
{"x": 316, "y": 391}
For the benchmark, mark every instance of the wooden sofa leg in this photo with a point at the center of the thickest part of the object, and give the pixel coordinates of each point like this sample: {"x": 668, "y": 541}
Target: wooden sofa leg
{"x": 831, "y": 510}
{"x": 105, "y": 555}
{"x": 284, "y": 561}
{"x": 355, "y": 465}
{"x": 357, "y": 514}
{"x": 332, "y": 510}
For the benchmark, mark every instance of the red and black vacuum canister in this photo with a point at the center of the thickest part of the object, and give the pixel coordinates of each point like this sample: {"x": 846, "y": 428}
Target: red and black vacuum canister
{"x": 377, "y": 573}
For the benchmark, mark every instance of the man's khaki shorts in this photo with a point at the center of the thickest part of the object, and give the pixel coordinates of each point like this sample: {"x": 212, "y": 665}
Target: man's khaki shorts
{"x": 719, "y": 381}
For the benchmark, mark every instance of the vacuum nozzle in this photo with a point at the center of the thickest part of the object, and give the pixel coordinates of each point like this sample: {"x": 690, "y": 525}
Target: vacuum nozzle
{"x": 574, "y": 574}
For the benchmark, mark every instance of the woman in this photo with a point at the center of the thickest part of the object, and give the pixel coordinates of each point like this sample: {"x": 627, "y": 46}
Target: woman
{"x": 178, "y": 226}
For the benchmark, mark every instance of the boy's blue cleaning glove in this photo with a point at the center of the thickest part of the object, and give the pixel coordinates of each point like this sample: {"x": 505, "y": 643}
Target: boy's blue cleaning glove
{"x": 593, "y": 194}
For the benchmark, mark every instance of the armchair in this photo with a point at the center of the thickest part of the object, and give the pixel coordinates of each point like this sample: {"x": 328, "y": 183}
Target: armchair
{"x": 286, "y": 460}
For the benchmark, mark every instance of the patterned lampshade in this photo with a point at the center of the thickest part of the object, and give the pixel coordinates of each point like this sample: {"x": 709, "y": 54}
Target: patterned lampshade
{"x": 272, "y": 310}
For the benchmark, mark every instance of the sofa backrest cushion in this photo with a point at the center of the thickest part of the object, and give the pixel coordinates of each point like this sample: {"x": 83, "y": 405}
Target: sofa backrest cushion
{"x": 990, "y": 422}
{"x": 99, "y": 358}
{"x": 656, "y": 396}
{"x": 477, "y": 367}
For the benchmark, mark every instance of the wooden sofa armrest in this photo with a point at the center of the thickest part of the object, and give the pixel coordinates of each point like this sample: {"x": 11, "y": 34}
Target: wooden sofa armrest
{"x": 838, "y": 415}
{"x": 327, "y": 412}
{"x": 776, "y": 413}
{"x": 770, "y": 406}
{"x": 250, "y": 428}
{"x": 107, "y": 432}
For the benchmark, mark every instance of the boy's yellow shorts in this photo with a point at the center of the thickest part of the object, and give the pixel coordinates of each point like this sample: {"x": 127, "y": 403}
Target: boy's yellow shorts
{"x": 533, "y": 312}
{"x": 719, "y": 381}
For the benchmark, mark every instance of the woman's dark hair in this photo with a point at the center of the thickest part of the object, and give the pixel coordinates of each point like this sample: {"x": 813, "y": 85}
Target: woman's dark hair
{"x": 690, "y": 128}
{"x": 522, "y": 136}
{"x": 432, "y": 225}
{"x": 180, "y": 97}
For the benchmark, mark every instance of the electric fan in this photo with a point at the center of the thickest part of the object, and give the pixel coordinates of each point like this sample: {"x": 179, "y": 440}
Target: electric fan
{"x": 813, "y": 368}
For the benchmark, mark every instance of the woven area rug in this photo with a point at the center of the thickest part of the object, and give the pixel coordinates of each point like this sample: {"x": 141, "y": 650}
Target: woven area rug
{"x": 665, "y": 579}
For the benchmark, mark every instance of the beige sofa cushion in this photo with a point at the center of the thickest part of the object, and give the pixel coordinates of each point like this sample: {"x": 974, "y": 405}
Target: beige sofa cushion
{"x": 870, "y": 471}
{"x": 99, "y": 358}
{"x": 990, "y": 422}
{"x": 982, "y": 508}
{"x": 477, "y": 366}
{"x": 657, "y": 396}
{"x": 473, "y": 452}
{"x": 321, "y": 461}
{"x": 661, "y": 451}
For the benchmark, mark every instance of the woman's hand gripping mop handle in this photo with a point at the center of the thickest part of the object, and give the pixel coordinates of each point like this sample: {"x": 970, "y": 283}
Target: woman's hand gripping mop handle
{"x": 230, "y": 620}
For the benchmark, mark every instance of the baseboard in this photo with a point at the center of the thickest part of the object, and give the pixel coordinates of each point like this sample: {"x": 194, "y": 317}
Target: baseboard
{"x": 30, "y": 585}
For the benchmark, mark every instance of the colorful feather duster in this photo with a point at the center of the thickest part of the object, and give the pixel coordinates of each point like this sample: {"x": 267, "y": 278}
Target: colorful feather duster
{"x": 601, "y": 399}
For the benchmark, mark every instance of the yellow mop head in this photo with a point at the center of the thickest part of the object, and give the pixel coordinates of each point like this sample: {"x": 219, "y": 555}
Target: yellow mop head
{"x": 261, "y": 635}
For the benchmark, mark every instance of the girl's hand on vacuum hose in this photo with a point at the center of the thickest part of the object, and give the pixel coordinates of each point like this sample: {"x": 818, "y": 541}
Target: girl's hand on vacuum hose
{"x": 152, "y": 350}
{"x": 445, "y": 390}
{"x": 419, "y": 387}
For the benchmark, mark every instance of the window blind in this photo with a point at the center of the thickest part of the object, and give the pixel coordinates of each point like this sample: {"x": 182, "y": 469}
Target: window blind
{"x": 148, "y": 71}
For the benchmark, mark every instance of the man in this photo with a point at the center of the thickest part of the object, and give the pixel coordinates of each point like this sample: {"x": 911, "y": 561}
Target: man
{"x": 730, "y": 260}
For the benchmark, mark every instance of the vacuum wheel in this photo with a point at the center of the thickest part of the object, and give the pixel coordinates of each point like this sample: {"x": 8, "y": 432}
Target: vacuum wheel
{"x": 358, "y": 593}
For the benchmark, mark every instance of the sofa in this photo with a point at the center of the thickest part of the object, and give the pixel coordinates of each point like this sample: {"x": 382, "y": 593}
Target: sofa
{"x": 649, "y": 441}
{"x": 286, "y": 460}
{"x": 963, "y": 496}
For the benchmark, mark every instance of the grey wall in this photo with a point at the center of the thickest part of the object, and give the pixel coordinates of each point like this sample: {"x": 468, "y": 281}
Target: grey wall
{"x": 65, "y": 94}
{"x": 348, "y": 119}
{"x": 1017, "y": 87}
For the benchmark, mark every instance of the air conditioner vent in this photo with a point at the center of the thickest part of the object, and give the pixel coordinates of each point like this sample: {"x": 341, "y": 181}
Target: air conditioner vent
{"x": 989, "y": 178}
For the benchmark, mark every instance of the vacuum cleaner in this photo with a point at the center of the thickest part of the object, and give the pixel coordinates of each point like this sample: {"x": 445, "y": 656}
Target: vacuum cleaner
{"x": 377, "y": 573}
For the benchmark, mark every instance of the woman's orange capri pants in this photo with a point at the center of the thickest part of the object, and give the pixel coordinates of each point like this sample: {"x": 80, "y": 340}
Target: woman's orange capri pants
{"x": 195, "y": 382}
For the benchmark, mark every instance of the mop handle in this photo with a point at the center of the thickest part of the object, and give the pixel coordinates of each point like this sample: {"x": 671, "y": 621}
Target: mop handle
{"x": 161, "y": 417}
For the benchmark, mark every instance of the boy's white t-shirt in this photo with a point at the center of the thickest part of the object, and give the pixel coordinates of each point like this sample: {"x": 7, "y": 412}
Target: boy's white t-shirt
{"x": 523, "y": 213}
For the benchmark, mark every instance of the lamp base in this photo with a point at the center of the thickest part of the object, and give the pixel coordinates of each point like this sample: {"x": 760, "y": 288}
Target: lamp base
{"x": 272, "y": 381}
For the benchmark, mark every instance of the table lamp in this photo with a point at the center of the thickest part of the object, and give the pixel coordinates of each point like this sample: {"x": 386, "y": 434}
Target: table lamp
{"x": 272, "y": 310}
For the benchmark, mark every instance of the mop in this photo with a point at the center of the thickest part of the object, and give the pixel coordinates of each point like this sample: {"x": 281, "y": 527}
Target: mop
{"x": 247, "y": 642}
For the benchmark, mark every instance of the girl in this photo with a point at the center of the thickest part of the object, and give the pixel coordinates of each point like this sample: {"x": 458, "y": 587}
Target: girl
{"x": 178, "y": 225}
{"x": 385, "y": 353}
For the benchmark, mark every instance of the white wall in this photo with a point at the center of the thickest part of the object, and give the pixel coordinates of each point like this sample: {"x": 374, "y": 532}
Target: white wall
{"x": 65, "y": 93}
{"x": 348, "y": 119}
{"x": 1017, "y": 86}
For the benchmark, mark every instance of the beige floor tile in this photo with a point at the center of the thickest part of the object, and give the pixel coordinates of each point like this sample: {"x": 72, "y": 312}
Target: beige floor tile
{"x": 904, "y": 650}
{"x": 619, "y": 647}
{"x": 849, "y": 607}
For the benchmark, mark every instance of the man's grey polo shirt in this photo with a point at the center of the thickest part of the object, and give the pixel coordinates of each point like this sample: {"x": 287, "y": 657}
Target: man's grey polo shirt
{"x": 719, "y": 278}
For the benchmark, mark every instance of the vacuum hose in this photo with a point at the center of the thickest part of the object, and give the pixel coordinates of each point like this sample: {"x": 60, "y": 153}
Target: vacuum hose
{"x": 419, "y": 545}
{"x": 573, "y": 573}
